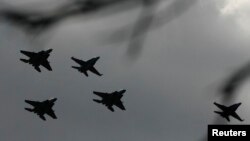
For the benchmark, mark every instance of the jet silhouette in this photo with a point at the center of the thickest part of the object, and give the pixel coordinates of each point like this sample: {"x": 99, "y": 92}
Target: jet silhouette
{"x": 41, "y": 108}
{"x": 86, "y": 66}
{"x": 37, "y": 59}
{"x": 228, "y": 111}
{"x": 110, "y": 99}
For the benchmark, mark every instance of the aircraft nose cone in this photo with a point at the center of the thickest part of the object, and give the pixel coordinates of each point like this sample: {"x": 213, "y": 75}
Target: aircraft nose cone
{"x": 50, "y": 50}
{"x": 123, "y": 91}
{"x": 53, "y": 99}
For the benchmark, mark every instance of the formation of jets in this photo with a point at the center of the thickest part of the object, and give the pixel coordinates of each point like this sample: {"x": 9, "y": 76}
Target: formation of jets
{"x": 38, "y": 22}
{"x": 37, "y": 59}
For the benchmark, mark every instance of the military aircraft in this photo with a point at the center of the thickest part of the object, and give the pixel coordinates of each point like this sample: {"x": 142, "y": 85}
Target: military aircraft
{"x": 41, "y": 108}
{"x": 110, "y": 99}
{"x": 86, "y": 66}
{"x": 228, "y": 111}
{"x": 37, "y": 59}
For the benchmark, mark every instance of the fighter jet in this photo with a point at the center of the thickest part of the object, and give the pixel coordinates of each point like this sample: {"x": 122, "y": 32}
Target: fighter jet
{"x": 110, "y": 99}
{"x": 86, "y": 66}
{"x": 228, "y": 111}
{"x": 41, "y": 108}
{"x": 37, "y": 59}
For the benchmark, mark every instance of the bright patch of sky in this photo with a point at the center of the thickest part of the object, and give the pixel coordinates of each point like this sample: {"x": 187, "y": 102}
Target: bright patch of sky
{"x": 239, "y": 10}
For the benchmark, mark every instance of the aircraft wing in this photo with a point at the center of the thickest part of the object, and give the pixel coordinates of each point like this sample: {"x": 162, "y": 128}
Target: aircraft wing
{"x": 120, "y": 105}
{"x": 46, "y": 65}
{"x": 33, "y": 103}
{"x": 81, "y": 62}
{"x": 95, "y": 71}
{"x": 236, "y": 116}
{"x": 235, "y": 106}
{"x": 93, "y": 61}
{"x": 27, "y": 53}
{"x": 52, "y": 114}
{"x": 101, "y": 94}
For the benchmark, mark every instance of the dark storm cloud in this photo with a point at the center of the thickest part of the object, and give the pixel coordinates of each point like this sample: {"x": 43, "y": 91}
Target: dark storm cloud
{"x": 234, "y": 81}
{"x": 174, "y": 10}
{"x": 165, "y": 97}
{"x": 150, "y": 18}
{"x": 35, "y": 23}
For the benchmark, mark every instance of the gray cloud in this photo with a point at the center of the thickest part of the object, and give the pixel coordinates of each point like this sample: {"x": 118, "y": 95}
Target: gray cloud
{"x": 166, "y": 98}
{"x": 150, "y": 18}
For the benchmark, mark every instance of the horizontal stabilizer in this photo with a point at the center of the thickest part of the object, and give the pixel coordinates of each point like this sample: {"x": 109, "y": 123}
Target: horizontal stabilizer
{"x": 223, "y": 115}
{"x": 27, "y": 53}
{"x": 220, "y": 113}
{"x": 98, "y": 101}
{"x": 78, "y": 61}
{"x": 28, "y": 109}
{"x": 24, "y": 60}
{"x": 76, "y": 67}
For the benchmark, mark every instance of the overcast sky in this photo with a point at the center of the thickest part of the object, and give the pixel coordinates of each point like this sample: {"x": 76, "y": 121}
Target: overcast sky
{"x": 171, "y": 86}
